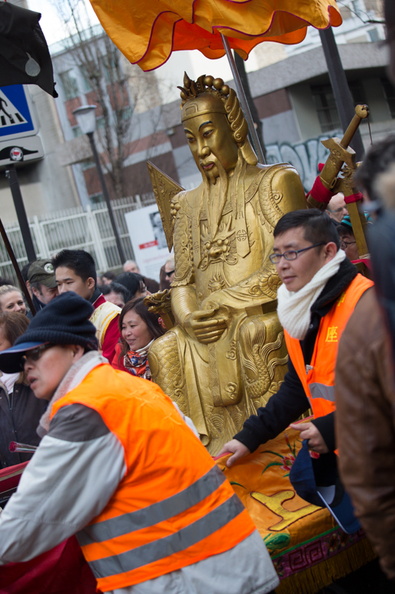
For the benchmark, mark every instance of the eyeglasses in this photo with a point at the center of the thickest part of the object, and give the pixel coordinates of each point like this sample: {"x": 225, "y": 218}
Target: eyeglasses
{"x": 170, "y": 273}
{"x": 34, "y": 354}
{"x": 292, "y": 254}
{"x": 337, "y": 210}
{"x": 345, "y": 244}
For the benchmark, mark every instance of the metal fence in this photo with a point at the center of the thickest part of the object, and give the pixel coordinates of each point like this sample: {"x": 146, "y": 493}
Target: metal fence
{"x": 76, "y": 228}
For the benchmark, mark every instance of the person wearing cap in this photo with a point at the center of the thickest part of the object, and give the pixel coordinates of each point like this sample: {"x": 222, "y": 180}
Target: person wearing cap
{"x": 347, "y": 239}
{"x": 42, "y": 283}
{"x": 349, "y": 245}
{"x": 319, "y": 292}
{"x": 75, "y": 270}
{"x": 119, "y": 467}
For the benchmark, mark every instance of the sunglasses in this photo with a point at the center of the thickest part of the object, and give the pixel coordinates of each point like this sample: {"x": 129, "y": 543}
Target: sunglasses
{"x": 170, "y": 273}
{"x": 34, "y": 354}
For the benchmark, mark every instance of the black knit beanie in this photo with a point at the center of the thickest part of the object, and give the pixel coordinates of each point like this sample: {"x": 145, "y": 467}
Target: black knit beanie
{"x": 65, "y": 320}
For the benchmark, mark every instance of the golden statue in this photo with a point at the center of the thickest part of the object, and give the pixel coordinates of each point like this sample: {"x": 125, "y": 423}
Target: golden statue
{"x": 225, "y": 355}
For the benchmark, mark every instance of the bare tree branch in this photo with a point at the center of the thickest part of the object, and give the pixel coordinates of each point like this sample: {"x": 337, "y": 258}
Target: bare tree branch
{"x": 119, "y": 89}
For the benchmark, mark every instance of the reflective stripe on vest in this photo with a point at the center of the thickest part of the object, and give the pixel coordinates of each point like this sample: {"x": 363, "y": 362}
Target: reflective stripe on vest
{"x": 174, "y": 543}
{"x": 153, "y": 514}
{"x": 322, "y": 391}
{"x": 147, "y": 529}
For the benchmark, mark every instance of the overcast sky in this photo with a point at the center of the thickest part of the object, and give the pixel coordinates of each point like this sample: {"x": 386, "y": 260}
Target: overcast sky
{"x": 50, "y": 22}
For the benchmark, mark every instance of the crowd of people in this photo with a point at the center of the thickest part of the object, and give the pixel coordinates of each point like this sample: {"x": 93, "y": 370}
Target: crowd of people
{"x": 151, "y": 509}
{"x": 59, "y": 373}
{"x": 121, "y": 332}
{"x": 82, "y": 331}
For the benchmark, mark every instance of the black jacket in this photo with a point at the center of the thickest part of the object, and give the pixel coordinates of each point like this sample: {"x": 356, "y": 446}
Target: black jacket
{"x": 20, "y": 413}
{"x": 291, "y": 402}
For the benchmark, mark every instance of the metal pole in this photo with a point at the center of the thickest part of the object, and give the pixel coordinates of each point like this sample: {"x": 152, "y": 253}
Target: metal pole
{"x": 341, "y": 91}
{"x": 243, "y": 100}
{"x": 16, "y": 267}
{"x": 12, "y": 177}
{"x": 240, "y": 65}
{"x": 106, "y": 197}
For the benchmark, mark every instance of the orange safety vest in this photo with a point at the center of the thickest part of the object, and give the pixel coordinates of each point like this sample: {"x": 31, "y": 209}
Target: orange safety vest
{"x": 318, "y": 378}
{"x": 173, "y": 507}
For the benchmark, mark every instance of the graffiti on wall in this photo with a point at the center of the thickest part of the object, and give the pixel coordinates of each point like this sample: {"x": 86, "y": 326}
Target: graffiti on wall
{"x": 304, "y": 156}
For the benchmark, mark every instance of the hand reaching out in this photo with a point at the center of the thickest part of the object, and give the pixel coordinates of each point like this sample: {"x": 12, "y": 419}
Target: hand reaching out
{"x": 238, "y": 449}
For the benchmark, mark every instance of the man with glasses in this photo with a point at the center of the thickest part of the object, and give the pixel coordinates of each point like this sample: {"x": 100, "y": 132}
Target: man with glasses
{"x": 347, "y": 239}
{"x": 349, "y": 245}
{"x": 170, "y": 269}
{"x": 319, "y": 292}
{"x": 337, "y": 208}
{"x": 166, "y": 274}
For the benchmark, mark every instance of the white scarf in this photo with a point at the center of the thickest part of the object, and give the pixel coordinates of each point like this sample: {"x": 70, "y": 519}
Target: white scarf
{"x": 294, "y": 306}
{"x": 71, "y": 380}
{"x": 9, "y": 380}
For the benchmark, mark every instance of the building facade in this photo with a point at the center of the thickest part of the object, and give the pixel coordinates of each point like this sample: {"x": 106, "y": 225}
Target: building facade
{"x": 289, "y": 84}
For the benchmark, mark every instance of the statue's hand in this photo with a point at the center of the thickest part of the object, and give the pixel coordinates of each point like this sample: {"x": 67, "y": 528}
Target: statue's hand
{"x": 205, "y": 326}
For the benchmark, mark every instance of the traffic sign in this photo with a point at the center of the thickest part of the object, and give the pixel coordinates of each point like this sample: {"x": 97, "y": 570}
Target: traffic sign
{"x": 20, "y": 150}
{"x": 16, "y": 119}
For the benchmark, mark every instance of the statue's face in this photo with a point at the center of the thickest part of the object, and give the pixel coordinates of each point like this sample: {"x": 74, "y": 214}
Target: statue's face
{"x": 210, "y": 139}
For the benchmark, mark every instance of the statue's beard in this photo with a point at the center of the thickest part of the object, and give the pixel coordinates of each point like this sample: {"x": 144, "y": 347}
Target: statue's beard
{"x": 215, "y": 195}
{"x": 221, "y": 181}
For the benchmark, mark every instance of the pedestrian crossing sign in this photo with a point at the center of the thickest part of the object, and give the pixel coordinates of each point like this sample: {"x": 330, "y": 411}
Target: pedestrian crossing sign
{"x": 16, "y": 120}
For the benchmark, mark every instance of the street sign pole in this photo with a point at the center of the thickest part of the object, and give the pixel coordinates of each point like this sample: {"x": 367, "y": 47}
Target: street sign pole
{"x": 12, "y": 177}
{"x": 106, "y": 196}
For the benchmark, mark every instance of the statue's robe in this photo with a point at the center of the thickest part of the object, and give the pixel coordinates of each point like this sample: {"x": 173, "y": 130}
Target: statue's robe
{"x": 221, "y": 248}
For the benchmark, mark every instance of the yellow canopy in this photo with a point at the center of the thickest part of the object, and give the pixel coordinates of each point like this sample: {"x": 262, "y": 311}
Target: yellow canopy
{"x": 148, "y": 31}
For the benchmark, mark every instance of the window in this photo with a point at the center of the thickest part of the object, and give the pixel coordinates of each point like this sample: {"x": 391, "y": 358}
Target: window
{"x": 86, "y": 80}
{"x": 69, "y": 84}
{"x": 326, "y": 107}
{"x": 90, "y": 74}
{"x": 125, "y": 114}
{"x": 111, "y": 65}
{"x": 87, "y": 164}
{"x": 96, "y": 199}
{"x": 357, "y": 92}
{"x": 100, "y": 123}
{"x": 76, "y": 130}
